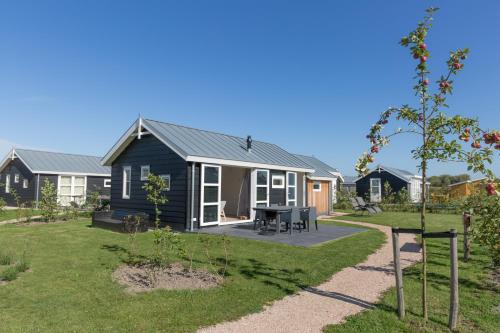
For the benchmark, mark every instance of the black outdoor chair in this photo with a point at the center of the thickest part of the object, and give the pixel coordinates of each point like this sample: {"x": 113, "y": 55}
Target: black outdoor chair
{"x": 307, "y": 216}
{"x": 373, "y": 206}
{"x": 361, "y": 208}
{"x": 291, "y": 219}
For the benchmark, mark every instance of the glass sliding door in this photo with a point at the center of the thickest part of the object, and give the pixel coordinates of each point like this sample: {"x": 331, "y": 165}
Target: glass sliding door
{"x": 291, "y": 185}
{"x": 210, "y": 194}
{"x": 262, "y": 191}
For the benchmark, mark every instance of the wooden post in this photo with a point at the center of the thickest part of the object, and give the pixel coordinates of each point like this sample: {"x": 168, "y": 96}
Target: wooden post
{"x": 452, "y": 323}
{"x": 398, "y": 273}
{"x": 466, "y": 221}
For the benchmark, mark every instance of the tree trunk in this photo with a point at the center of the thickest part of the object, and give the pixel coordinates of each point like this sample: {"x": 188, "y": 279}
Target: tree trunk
{"x": 424, "y": 250}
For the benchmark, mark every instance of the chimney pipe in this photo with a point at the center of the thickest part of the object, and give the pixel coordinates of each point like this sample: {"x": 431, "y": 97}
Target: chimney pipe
{"x": 249, "y": 143}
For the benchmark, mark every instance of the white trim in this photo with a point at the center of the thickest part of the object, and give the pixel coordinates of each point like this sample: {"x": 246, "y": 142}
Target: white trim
{"x": 167, "y": 176}
{"x": 72, "y": 185}
{"x": 69, "y": 173}
{"x": 316, "y": 182}
{"x": 7, "y": 183}
{"x": 26, "y": 183}
{"x": 108, "y": 181}
{"x": 124, "y": 194}
{"x": 282, "y": 177}
{"x": 379, "y": 198}
{"x": 288, "y": 186}
{"x": 257, "y": 185}
{"x": 329, "y": 179}
{"x": 16, "y": 178}
{"x": 117, "y": 147}
{"x": 245, "y": 164}
{"x": 143, "y": 167}
{"x": 202, "y": 194}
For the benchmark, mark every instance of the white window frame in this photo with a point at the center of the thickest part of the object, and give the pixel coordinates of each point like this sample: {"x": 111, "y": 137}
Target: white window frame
{"x": 317, "y": 182}
{"x": 202, "y": 195}
{"x": 143, "y": 168}
{"x": 288, "y": 186}
{"x": 25, "y": 183}
{"x": 165, "y": 177}
{"x": 72, "y": 185}
{"x": 379, "y": 189}
{"x": 129, "y": 180}
{"x": 257, "y": 186}
{"x": 7, "y": 183}
{"x": 16, "y": 178}
{"x": 107, "y": 182}
{"x": 282, "y": 177}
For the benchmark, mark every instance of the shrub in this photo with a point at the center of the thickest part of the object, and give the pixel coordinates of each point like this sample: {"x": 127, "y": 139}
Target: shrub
{"x": 166, "y": 244}
{"x": 48, "y": 202}
{"x": 344, "y": 199}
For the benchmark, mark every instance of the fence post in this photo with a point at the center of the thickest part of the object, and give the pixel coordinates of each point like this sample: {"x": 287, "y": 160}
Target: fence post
{"x": 452, "y": 323}
{"x": 466, "y": 221}
{"x": 398, "y": 273}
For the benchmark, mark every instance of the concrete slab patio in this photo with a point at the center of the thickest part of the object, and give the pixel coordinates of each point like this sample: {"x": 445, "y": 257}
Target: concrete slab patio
{"x": 324, "y": 234}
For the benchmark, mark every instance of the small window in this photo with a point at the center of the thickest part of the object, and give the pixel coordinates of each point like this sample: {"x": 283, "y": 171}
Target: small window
{"x": 166, "y": 178}
{"x": 107, "y": 182}
{"x": 16, "y": 178}
{"x": 278, "y": 181}
{"x": 127, "y": 174}
{"x": 144, "y": 172}
{"x": 317, "y": 186}
{"x": 7, "y": 183}
{"x": 25, "y": 183}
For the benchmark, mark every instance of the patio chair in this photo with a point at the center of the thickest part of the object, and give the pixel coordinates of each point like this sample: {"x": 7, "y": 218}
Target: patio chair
{"x": 360, "y": 208}
{"x": 373, "y": 206}
{"x": 291, "y": 219}
{"x": 222, "y": 212}
{"x": 307, "y": 216}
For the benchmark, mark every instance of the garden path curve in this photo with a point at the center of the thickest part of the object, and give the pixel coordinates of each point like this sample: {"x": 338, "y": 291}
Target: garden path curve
{"x": 350, "y": 291}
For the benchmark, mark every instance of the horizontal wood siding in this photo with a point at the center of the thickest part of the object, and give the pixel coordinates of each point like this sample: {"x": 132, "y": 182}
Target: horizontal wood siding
{"x": 300, "y": 189}
{"x": 97, "y": 184}
{"x": 276, "y": 195}
{"x": 363, "y": 184}
{"x": 26, "y": 194}
{"x": 162, "y": 160}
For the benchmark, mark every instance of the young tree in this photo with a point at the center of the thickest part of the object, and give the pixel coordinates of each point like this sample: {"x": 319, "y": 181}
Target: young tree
{"x": 155, "y": 188}
{"x": 48, "y": 202}
{"x": 437, "y": 131}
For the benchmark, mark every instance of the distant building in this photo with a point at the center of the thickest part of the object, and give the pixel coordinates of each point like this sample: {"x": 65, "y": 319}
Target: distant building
{"x": 349, "y": 184}
{"x": 465, "y": 188}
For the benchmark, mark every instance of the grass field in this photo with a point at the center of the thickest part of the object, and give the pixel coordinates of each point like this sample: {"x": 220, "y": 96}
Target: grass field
{"x": 69, "y": 286}
{"x": 11, "y": 214}
{"x": 479, "y": 299}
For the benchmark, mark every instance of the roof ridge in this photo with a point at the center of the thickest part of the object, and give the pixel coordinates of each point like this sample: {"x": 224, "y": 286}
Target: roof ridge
{"x": 55, "y": 152}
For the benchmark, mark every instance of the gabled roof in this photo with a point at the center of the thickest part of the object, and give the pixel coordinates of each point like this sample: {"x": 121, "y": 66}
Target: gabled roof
{"x": 45, "y": 162}
{"x": 195, "y": 145}
{"x": 321, "y": 169}
{"x": 402, "y": 174}
{"x": 469, "y": 181}
{"x": 350, "y": 179}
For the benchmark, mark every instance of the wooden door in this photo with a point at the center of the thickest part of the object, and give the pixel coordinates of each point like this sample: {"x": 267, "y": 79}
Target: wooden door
{"x": 318, "y": 196}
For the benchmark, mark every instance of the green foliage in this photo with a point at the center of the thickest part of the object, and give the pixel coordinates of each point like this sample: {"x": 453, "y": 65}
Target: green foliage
{"x": 48, "y": 202}
{"x": 5, "y": 258}
{"x": 14, "y": 266}
{"x": 486, "y": 222}
{"x": 28, "y": 211}
{"x": 19, "y": 205}
{"x": 445, "y": 180}
{"x": 92, "y": 201}
{"x": 167, "y": 244}
{"x": 132, "y": 225}
{"x": 209, "y": 244}
{"x": 155, "y": 188}
{"x": 2, "y": 205}
{"x": 344, "y": 199}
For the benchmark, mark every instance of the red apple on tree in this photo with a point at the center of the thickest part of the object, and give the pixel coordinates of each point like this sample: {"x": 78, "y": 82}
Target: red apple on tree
{"x": 476, "y": 145}
{"x": 423, "y": 58}
{"x": 423, "y": 46}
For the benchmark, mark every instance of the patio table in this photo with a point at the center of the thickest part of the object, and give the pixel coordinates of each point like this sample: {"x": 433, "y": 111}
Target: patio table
{"x": 278, "y": 210}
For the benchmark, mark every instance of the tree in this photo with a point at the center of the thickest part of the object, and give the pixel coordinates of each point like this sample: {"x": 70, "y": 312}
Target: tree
{"x": 436, "y": 130}
{"x": 48, "y": 202}
{"x": 155, "y": 188}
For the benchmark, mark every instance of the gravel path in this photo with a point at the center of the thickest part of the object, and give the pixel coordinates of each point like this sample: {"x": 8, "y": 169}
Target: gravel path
{"x": 348, "y": 292}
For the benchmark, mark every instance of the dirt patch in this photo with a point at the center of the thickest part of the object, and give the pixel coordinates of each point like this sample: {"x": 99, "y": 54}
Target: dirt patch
{"x": 175, "y": 277}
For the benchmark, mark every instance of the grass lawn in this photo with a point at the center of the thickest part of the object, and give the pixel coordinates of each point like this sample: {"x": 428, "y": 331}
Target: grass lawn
{"x": 69, "y": 286}
{"x": 11, "y": 214}
{"x": 478, "y": 297}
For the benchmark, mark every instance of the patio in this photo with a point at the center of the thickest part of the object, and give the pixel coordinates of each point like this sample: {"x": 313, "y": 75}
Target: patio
{"x": 324, "y": 234}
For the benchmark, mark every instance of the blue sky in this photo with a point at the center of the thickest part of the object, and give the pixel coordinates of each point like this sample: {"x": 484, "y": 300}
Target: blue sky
{"x": 310, "y": 76}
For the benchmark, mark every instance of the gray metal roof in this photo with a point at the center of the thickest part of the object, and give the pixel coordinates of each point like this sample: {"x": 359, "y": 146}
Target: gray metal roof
{"x": 350, "y": 179}
{"x": 43, "y": 161}
{"x": 200, "y": 143}
{"x": 321, "y": 169}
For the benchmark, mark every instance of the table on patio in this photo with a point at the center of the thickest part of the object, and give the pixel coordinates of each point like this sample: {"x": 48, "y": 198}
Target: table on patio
{"x": 279, "y": 210}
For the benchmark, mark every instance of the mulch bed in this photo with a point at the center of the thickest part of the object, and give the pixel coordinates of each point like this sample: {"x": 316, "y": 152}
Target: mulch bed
{"x": 143, "y": 278}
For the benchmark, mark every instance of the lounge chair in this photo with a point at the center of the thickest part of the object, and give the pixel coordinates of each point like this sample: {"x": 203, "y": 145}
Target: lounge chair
{"x": 361, "y": 208}
{"x": 373, "y": 206}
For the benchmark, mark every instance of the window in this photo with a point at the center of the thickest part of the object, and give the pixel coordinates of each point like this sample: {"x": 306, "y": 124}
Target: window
{"x": 278, "y": 181}
{"x": 317, "y": 186}
{"x": 127, "y": 175}
{"x": 107, "y": 182}
{"x": 210, "y": 194}
{"x": 291, "y": 184}
{"x": 375, "y": 190}
{"x": 262, "y": 184}
{"x": 166, "y": 178}
{"x": 25, "y": 183}
{"x": 7, "y": 183}
{"x": 16, "y": 178}
{"x": 71, "y": 189}
{"x": 144, "y": 172}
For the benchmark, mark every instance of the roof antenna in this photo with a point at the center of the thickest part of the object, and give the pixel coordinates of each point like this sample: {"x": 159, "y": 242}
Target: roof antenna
{"x": 249, "y": 143}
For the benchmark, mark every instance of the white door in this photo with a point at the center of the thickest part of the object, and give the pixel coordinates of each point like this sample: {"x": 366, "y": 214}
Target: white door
{"x": 375, "y": 190}
{"x": 210, "y": 194}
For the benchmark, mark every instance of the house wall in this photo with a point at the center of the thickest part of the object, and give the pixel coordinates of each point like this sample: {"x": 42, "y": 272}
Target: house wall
{"x": 26, "y": 194}
{"x": 162, "y": 160}
{"x": 277, "y": 196}
{"x": 363, "y": 184}
{"x": 465, "y": 189}
{"x": 95, "y": 183}
{"x": 320, "y": 199}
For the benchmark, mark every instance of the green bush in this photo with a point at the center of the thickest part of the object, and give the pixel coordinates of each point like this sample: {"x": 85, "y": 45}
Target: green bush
{"x": 48, "y": 203}
{"x": 344, "y": 199}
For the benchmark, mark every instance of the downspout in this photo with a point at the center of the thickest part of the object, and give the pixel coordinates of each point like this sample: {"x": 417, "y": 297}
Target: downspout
{"x": 191, "y": 227}
{"x": 37, "y": 189}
